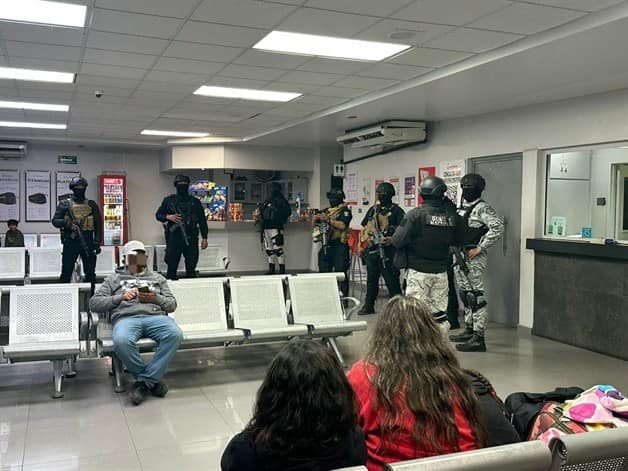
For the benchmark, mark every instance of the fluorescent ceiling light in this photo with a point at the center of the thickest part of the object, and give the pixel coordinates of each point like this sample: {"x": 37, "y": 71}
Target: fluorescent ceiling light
{"x": 36, "y": 75}
{"x": 246, "y": 93}
{"x": 19, "y": 124}
{"x": 328, "y": 46}
{"x": 154, "y": 132}
{"x": 21, "y": 105}
{"x": 40, "y": 11}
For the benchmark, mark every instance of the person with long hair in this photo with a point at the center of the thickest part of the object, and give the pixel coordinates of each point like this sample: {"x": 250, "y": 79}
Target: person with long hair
{"x": 305, "y": 417}
{"x": 414, "y": 399}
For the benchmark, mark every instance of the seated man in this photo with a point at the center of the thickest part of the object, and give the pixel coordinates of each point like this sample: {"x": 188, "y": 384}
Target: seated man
{"x": 139, "y": 302}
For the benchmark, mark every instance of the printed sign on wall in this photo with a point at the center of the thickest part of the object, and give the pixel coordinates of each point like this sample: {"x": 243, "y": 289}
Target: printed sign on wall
{"x": 452, "y": 172}
{"x": 352, "y": 188}
{"x": 409, "y": 190}
{"x": 63, "y": 184}
{"x": 9, "y": 195}
{"x": 366, "y": 191}
{"x": 38, "y": 195}
{"x": 424, "y": 172}
{"x": 395, "y": 182}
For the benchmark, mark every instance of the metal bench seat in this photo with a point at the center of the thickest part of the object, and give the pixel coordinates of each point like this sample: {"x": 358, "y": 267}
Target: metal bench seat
{"x": 42, "y": 350}
{"x": 591, "y": 451}
{"x": 12, "y": 263}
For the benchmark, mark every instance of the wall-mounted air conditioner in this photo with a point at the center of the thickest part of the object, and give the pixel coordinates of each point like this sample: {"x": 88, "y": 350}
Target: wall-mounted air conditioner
{"x": 386, "y": 135}
{"x": 13, "y": 150}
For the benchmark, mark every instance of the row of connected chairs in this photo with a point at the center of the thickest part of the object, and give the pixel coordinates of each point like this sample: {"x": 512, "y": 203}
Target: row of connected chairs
{"x": 593, "y": 451}
{"x": 216, "y": 312}
{"x": 44, "y": 263}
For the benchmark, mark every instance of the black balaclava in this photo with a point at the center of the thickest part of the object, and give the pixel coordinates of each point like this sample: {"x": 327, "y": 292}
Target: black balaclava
{"x": 334, "y": 198}
{"x": 385, "y": 199}
{"x": 471, "y": 193}
{"x": 182, "y": 189}
{"x": 79, "y": 193}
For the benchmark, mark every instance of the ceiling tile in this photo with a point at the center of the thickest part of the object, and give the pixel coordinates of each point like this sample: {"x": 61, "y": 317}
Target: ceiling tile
{"x": 135, "y": 24}
{"x": 205, "y": 100}
{"x": 310, "y": 20}
{"x": 426, "y": 57}
{"x": 119, "y": 133}
{"x": 270, "y": 59}
{"x": 113, "y": 71}
{"x": 366, "y": 83}
{"x": 52, "y": 96}
{"x": 281, "y": 86}
{"x": 336, "y": 66}
{"x": 472, "y": 40}
{"x": 205, "y": 52}
{"x": 190, "y": 115}
{"x": 418, "y": 32}
{"x": 187, "y": 65}
{"x": 449, "y": 12}
{"x": 97, "y": 81}
{"x": 583, "y": 5}
{"x": 42, "y": 34}
{"x": 363, "y": 7}
{"x": 166, "y": 87}
{"x": 126, "y": 43}
{"x": 341, "y": 92}
{"x": 287, "y": 2}
{"x": 43, "y": 51}
{"x": 211, "y": 33}
{"x": 176, "y": 77}
{"x": 526, "y": 19}
{"x": 394, "y": 71}
{"x": 255, "y": 73}
{"x": 322, "y": 100}
{"x": 236, "y": 82}
{"x": 11, "y": 115}
{"x": 84, "y": 131}
{"x": 251, "y": 13}
{"x": 123, "y": 59}
{"x": 44, "y": 64}
{"x": 314, "y": 78}
{"x": 178, "y": 9}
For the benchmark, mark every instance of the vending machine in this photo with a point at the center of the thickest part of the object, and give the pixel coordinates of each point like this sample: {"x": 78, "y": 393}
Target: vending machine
{"x": 112, "y": 190}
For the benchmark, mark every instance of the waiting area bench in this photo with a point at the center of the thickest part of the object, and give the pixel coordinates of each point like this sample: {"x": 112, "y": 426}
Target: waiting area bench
{"x": 215, "y": 312}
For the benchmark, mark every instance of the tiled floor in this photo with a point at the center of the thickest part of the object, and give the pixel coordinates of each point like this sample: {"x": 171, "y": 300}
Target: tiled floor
{"x": 210, "y": 399}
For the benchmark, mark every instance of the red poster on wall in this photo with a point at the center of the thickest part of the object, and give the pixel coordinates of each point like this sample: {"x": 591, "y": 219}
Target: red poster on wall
{"x": 424, "y": 172}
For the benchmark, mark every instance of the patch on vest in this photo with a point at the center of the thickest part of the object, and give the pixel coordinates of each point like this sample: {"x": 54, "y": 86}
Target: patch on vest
{"x": 440, "y": 221}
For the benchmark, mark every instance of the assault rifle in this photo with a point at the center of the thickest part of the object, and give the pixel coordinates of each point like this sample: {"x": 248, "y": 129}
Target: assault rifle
{"x": 171, "y": 228}
{"x": 76, "y": 228}
{"x": 378, "y": 237}
{"x": 460, "y": 259}
{"x": 320, "y": 233}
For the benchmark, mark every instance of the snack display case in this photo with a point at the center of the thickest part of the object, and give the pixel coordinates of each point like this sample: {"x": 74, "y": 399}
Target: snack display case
{"x": 112, "y": 189}
{"x": 213, "y": 198}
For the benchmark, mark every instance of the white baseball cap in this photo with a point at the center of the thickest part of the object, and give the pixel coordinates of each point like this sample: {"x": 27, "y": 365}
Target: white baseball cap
{"x": 133, "y": 246}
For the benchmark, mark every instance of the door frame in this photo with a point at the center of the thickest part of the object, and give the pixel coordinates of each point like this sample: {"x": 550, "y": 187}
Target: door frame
{"x": 471, "y": 166}
{"x": 619, "y": 174}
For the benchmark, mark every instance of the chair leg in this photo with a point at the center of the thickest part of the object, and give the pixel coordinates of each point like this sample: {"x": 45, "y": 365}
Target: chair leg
{"x": 71, "y": 368}
{"x": 334, "y": 346}
{"x": 116, "y": 366}
{"x": 57, "y": 368}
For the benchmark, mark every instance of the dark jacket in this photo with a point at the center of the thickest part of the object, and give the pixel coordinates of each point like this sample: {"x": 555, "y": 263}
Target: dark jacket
{"x": 241, "y": 454}
{"x": 424, "y": 236}
{"x": 14, "y": 239}
{"x": 274, "y": 212}
{"x": 63, "y": 220}
{"x": 190, "y": 208}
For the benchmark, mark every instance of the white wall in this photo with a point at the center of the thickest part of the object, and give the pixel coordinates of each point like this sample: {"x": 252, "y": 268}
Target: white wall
{"x": 145, "y": 185}
{"x": 586, "y": 120}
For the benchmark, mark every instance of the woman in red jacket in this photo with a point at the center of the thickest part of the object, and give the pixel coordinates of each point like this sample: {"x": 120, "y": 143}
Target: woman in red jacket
{"x": 414, "y": 400}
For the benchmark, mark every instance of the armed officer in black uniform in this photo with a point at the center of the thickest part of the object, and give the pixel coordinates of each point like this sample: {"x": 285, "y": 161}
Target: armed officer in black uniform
{"x": 183, "y": 217}
{"x": 80, "y": 224}
{"x": 334, "y": 256}
{"x": 379, "y": 224}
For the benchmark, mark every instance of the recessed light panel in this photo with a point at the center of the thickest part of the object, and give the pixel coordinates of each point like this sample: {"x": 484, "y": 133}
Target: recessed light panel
{"x": 328, "y": 46}
{"x": 19, "y": 124}
{"x": 21, "y": 105}
{"x": 44, "y": 12}
{"x": 33, "y": 75}
{"x": 246, "y": 94}
{"x": 155, "y": 132}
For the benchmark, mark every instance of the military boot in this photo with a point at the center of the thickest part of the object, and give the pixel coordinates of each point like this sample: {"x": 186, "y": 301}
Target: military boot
{"x": 476, "y": 344}
{"x": 462, "y": 336}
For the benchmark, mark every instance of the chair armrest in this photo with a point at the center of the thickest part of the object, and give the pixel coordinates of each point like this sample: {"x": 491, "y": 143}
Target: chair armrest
{"x": 94, "y": 319}
{"x": 350, "y": 310}
{"x": 83, "y": 325}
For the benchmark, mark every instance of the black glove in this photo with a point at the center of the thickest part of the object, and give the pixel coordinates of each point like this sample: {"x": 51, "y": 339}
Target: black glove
{"x": 97, "y": 249}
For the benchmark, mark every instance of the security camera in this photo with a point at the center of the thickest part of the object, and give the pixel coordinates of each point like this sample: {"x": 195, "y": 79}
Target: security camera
{"x": 98, "y": 93}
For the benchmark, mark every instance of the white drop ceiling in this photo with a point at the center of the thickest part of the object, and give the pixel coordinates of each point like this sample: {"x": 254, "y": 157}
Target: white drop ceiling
{"x": 148, "y": 57}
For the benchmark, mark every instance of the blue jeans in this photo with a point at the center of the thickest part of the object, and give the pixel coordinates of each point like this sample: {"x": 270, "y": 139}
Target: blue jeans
{"x": 162, "y": 329}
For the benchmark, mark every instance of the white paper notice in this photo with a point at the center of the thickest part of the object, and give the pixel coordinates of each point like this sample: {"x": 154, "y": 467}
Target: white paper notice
{"x": 63, "y": 184}
{"x": 9, "y": 195}
{"x": 452, "y": 172}
{"x": 352, "y": 188}
{"x": 38, "y": 195}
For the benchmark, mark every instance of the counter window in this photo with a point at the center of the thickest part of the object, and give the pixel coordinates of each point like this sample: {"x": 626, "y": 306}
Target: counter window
{"x": 587, "y": 194}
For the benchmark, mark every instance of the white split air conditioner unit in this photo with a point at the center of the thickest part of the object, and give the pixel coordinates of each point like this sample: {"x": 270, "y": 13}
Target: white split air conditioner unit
{"x": 388, "y": 134}
{"x": 13, "y": 150}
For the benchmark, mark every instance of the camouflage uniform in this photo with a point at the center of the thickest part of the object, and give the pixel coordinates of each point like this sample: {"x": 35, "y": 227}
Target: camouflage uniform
{"x": 482, "y": 215}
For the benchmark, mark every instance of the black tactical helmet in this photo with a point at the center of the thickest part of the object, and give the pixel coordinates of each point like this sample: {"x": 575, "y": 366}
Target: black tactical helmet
{"x": 433, "y": 187}
{"x": 181, "y": 179}
{"x": 336, "y": 193}
{"x": 275, "y": 188}
{"x": 386, "y": 188}
{"x": 473, "y": 180}
{"x": 77, "y": 181}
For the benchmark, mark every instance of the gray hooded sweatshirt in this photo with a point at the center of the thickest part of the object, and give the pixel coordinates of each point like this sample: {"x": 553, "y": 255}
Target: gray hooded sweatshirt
{"x": 108, "y": 298}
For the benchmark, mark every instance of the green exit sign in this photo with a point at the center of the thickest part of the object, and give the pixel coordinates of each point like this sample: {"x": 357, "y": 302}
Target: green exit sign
{"x": 68, "y": 159}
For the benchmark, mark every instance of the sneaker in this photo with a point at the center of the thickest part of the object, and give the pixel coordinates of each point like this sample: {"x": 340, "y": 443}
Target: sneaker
{"x": 462, "y": 336}
{"x": 475, "y": 344}
{"x": 365, "y": 311}
{"x": 160, "y": 389}
{"x": 138, "y": 392}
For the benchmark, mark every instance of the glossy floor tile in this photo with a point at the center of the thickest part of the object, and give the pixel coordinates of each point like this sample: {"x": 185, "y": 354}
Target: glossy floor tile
{"x": 212, "y": 395}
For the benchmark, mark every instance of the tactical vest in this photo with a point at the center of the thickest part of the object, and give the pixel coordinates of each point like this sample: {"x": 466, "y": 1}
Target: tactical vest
{"x": 337, "y": 234}
{"x": 471, "y": 235}
{"x": 185, "y": 207}
{"x": 370, "y": 229}
{"x": 83, "y": 215}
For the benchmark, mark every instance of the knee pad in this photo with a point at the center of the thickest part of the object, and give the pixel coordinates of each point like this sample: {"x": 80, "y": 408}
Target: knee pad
{"x": 473, "y": 299}
{"x": 278, "y": 239}
{"x": 279, "y": 252}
